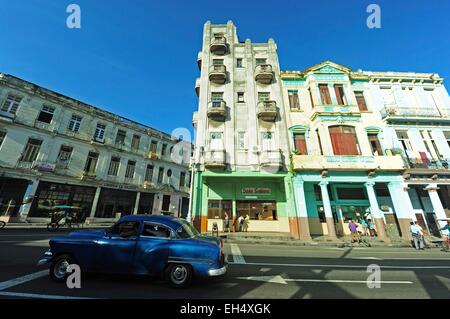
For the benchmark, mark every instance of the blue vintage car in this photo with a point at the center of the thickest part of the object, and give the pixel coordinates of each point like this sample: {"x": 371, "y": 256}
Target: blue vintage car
{"x": 142, "y": 245}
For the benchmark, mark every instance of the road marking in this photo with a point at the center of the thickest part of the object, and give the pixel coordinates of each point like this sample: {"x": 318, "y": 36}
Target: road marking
{"x": 20, "y": 280}
{"x": 40, "y": 296}
{"x": 237, "y": 255}
{"x": 280, "y": 280}
{"x": 368, "y": 258}
{"x": 340, "y": 266}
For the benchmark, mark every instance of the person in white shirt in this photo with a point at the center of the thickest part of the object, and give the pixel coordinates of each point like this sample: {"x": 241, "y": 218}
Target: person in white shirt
{"x": 417, "y": 236}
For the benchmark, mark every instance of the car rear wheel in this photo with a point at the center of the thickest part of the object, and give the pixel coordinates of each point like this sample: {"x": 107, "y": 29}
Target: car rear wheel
{"x": 58, "y": 268}
{"x": 179, "y": 275}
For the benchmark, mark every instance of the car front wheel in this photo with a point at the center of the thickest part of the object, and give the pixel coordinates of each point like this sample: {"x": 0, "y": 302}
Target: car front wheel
{"x": 58, "y": 268}
{"x": 179, "y": 275}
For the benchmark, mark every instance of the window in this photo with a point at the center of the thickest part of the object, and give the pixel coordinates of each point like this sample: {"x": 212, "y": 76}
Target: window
{"x": 240, "y": 97}
{"x": 114, "y": 166}
{"x": 153, "y": 146}
{"x": 267, "y": 141}
{"x": 404, "y": 140}
{"x": 186, "y": 230}
{"x": 340, "y": 96}
{"x": 75, "y": 122}
{"x": 428, "y": 138}
{"x": 182, "y": 179}
{"x": 120, "y": 137}
{"x": 99, "y": 132}
{"x": 217, "y": 209}
{"x": 160, "y": 175}
{"x": 11, "y": 104}
{"x": 388, "y": 96}
{"x": 125, "y": 229}
{"x": 216, "y": 97}
{"x": 217, "y": 61}
{"x": 164, "y": 149}
{"x": 300, "y": 144}
{"x": 344, "y": 140}
{"x": 263, "y": 96}
{"x": 152, "y": 230}
{"x": 260, "y": 61}
{"x": 293, "y": 99}
{"x": 239, "y": 63}
{"x": 242, "y": 145}
{"x": 2, "y": 137}
{"x": 216, "y": 141}
{"x": 351, "y": 193}
{"x": 375, "y": 144}
{"x": 447, "y": 137}
{"x": 65, "y": 152}
{"x": 257, "y": 210}
{"x": 149, "y": 173}
{"x": 362, "y": 106}
{"x": 31, "y": 150}
{"x": 91, "y": 163}
{"x": 46, "y": 114}
{"x": 324, "y": 94}
{"x": 129, "y": 173}
{"x": 135, "y": 142}
{"x": 169, "y": 173}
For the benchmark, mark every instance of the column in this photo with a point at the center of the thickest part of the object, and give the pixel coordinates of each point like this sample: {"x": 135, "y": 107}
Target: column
{"x": 28, "y": 199}
{"x": 136, "y": 203}
{"x": 328, "y": 212}
{"x": 301, "y": 210}
{"x": 377, "y": 215}
{"x": 95, "y": 202}
{"x": 437, "y": 204}
{"x": 403, "y": 208}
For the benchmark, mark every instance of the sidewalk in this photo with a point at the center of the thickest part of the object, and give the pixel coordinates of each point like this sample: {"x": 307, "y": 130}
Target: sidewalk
{"x": 269, "y": 238}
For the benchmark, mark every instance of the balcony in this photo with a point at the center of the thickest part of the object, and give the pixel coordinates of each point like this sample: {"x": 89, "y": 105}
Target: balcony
{"x": 96, "y": 140}
{"x": 433, "y": 164}
{"x": 199, "y": 60}
{"x": 43, "y": 125}
{"x": 347, "y": 163}
{"x": 88, "y": 176}
{"x": 217, "y": 110}
{"x": 219, "y": 45}
{"x": 24, "y": 165}
{"x": 393, "y": 111}
{"x": 215, "y": 159}
{"x": 148, "y": 185}
{"x": 267, "y": 110}
{"x": 197, "y": 86}
{"x": 264, "y": 74}
{"x": 218, "y": 74}
{"x": 7, "y": 116}
{"x": 271, "y": 158}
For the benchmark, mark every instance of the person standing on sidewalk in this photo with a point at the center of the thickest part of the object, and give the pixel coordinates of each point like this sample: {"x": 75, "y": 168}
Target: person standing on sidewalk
{"x": 416, "y": 223}
{"x": 246, "y": 222}
{"x": 354, "y": 231}
{"x": 226, "y": 223}
{"x": 417, "y": 237}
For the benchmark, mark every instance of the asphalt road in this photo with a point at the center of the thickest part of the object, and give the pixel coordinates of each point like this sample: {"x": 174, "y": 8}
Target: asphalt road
{"x": 255, "y": 271}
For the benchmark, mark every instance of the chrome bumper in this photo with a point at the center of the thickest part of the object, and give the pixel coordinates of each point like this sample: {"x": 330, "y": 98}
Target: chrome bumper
{"x": 47, "y": 258}
{"x": 219, "y": 271}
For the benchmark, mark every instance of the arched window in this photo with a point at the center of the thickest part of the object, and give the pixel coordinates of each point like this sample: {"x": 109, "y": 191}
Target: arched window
{"x": 344, "y": 140}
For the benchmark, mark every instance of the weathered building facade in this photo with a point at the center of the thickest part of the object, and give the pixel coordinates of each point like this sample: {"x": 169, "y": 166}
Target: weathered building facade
{"x": 57, "y": 150}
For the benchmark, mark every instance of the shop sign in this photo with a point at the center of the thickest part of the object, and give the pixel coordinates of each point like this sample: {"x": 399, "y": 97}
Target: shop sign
{"x": 256, "y": 191}
{"x": 44, "y": 167}
{"x": 120, "y": 186}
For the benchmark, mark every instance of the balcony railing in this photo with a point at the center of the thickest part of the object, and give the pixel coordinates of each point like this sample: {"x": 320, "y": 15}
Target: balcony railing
{"x": 219, "y": 45}
{"x": 215, "y": 159}
{"x": 264, "y": 73}
{"x": 7, "y": 116}
{"x": 148, "y": 185}
{"x": 43, "y": 125}
{"x": 267, "y": 110}
{"x": 419, "y": 163}
{"x": 24, "y": 164}
{"x": 348, "y": 162}
{"x": 414, "y": 112}
{"x": 271, "y": 158}
{"x": 217, "y": 110}
{"x": 218, "y": 74}
{"x": 88, "y": 175}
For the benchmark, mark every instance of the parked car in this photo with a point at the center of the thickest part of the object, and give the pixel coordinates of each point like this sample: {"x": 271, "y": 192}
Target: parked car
{"x": 142, "y": 245}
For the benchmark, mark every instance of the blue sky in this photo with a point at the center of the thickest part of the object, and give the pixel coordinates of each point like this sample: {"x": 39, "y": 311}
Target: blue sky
{"x": 137, "y": 58}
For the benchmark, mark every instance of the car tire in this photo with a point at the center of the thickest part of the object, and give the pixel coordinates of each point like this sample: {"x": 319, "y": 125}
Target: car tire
{"x": 179, "y": 275}
{"x": 2, "y": 224}
{"x": 58, "y": 267}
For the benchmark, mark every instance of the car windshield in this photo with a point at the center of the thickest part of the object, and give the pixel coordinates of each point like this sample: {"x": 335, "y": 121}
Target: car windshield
{"x": 187, "y": 230}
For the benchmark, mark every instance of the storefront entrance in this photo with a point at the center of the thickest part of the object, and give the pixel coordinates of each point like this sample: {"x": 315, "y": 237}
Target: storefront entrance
{"x": 12, "y": 192}
{"x": 115, "y": 201}
{"x": 257, "y": 210}
{"x": 146, "y": 203}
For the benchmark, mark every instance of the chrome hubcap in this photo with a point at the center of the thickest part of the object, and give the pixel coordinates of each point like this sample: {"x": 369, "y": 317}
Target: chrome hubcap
{"x": 179, "y": 274}
{"x": 61, "y": 268}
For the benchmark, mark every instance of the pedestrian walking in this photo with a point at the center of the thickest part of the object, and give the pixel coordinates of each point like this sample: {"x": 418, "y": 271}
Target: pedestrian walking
{"x": 240, "y": 222}
{"x": 417, "y": 237}
{"x": 371, "y": 226}
{"x": 226, "y": 223}
{"x": 421, "y": 233}
{"x": 364, "y": 226}
{"x": 354, "y": 231}
{"x": 246, "y": 222}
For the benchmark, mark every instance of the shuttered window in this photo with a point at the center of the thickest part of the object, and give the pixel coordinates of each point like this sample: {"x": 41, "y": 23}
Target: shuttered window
{"x": 300, "y": 143}
{"x": 293, "y": 99}
{"x": 344, "y": 140}
{"x": 324, "y": 94}
{"x": 361, "y": 101}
